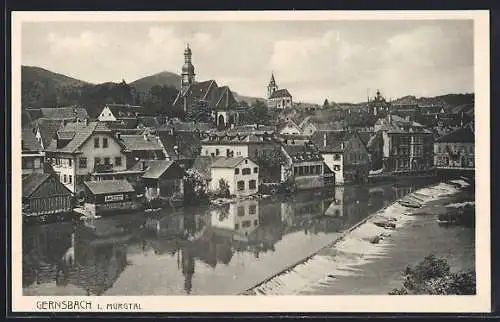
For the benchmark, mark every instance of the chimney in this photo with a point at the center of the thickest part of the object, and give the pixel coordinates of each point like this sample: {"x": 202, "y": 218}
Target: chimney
{"x": 324, "y": 140}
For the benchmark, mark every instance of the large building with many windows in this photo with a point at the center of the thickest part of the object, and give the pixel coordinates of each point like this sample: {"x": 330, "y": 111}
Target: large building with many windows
{"x": 407, "y": 146}
{"x": 455, "y": 150}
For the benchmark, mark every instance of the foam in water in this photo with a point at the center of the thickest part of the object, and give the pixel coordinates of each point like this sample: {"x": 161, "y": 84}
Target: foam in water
{"x": 352, "y": 251}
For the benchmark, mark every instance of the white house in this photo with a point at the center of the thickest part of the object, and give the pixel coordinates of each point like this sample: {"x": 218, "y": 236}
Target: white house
{"x": 240, "y": 173}
{"x": 82, "y": 149}
{"x": 242, "y": 217}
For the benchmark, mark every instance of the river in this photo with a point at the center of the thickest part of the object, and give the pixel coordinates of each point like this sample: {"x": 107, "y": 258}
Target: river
{"x": 198, "y": 251}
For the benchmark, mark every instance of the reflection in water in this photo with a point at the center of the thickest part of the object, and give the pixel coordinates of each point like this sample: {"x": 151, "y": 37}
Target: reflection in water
{"x": 93, "y": 255}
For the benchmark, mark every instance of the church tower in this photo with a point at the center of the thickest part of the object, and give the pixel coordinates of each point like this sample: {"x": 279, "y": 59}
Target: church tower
{"x": 272, "y": 87}
{"x": 187, "y": 70}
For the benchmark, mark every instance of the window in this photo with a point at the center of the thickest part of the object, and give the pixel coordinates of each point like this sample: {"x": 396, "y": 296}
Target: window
{"x": 82, "y": 163}
{"x": 105, "y": 142}
{"x": 96, "y": 142}
{"x": 241, "y": 185}
{"x": 70, "y": 162}
{"x": 318, "y": 169}
{"x": 246, "y": 171}
{"x": 236, "y": 226}
{"x": 106, "y": 160}
{"x": 217, "y": 152}
{"x": 70, "y": 177}
{"x": 252, "y": 210}
{"x": 295, "y": 170}
{"x": 237, "y": 171}
{"x": 301, "y": 171}
{"x": 336, "y": 168}
{"x": 228, "y": 152}
{"x": 241, "y": 211}
{"x": 256, "y": 153}
{"x": 255, "y": 170}
{"x": 336, "y": 156}
{"x": 65, "y": 178}
{"x": 97, "y": 161}
{"x": 255, "y": 222}
{"x": 252, "y": 184}
{"x": 118, "y": 161}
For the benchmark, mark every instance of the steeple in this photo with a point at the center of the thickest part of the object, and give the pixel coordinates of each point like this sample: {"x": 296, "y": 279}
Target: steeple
{"x": 187, "y": 70}
{"x": 272, "y": 87}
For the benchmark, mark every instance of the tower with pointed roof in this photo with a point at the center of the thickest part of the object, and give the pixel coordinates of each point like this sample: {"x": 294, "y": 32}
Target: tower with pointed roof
{"x": 187, "y": 70}
{"x": 272, "y": 87}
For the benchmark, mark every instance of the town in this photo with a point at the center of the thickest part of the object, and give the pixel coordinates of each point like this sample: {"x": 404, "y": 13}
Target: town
{"x": 208, "y": 146}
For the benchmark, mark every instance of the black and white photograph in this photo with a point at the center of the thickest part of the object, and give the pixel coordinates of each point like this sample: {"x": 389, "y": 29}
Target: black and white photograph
{"x": 250, "y": 156}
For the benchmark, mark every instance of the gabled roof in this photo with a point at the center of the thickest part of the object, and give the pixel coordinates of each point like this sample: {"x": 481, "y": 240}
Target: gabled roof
{"x": 42, "y": 185}
{"x": 32, "y": 182}
{"x": 280, "y": 93}
{"x": 302, "y": 153}
{"x": 124, "y": 111}
{"x": 79, "y": 133}
{"x": 333, "y": 142}
{"x": 141, "y": 142}
{"x": 188, "y": 144}
{"x": 225, "y": 162}
{"x": 48, "y": 129}
{"x": 196, "y": 91}
{"x": 396, "y": 124}
{"x": 29, "y": 141}
{"x": 154, "y": 168}
{"x": 109, "y": 186}
{"x": 461, "y": 135}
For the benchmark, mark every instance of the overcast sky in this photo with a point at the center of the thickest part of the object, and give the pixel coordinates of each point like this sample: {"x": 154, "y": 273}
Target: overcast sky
{"x": 338, "y": 60}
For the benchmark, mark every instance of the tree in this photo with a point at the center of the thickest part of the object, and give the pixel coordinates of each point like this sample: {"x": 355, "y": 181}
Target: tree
{"x": 259, "y": 113}
{"x": 433, "y": 276}
{"x": 200, "y": 112}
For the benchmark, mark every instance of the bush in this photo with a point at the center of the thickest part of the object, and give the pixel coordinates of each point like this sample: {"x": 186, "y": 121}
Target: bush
{"x": 223, "y": 191}
{"x": 433, "y": 276}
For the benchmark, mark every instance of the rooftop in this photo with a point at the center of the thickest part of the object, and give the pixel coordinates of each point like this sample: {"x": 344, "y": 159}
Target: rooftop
{"x": 461, "y": 135}
{"x": 75, "y": 134}
{"x": 32, "y": 182}
{"x": 109, "y": 186}
{"x": 141, "y": 142}
{"x": 225, "y": 162}
{"x": 302, "y": 153}
{"x": 29, "y": 141}
{"x": 280, "y": 93}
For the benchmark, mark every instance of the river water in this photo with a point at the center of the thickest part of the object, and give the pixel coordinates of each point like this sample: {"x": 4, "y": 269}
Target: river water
{"x": 199, "y": 251}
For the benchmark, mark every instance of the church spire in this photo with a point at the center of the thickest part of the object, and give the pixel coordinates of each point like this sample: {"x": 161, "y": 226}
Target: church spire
{"x": 272, "y": 87}
{"x": 187, "y": 76}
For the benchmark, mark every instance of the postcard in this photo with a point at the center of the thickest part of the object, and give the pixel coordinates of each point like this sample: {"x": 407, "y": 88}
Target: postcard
{"x": 274, "y": 161}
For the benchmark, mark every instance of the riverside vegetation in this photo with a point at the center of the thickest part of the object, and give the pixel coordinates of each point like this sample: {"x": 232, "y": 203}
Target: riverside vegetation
{"x": 433, "y": 276}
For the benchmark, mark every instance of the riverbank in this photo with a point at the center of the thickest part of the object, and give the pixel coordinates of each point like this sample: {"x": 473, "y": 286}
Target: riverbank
{"x": 365, "y": 243}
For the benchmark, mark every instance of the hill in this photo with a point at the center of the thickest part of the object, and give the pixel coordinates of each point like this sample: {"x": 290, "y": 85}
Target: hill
{"x": 174, "y": 80}
{"x": 43, "y": 88}
{"x": 163, "y": 79}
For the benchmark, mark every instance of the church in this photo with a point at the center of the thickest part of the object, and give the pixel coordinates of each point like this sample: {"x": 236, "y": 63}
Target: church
{"x": 207, "y": 95}
{"x": 278, "y": 98}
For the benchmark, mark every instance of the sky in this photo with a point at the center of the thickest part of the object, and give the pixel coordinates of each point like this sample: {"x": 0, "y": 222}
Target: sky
{"x": 342, "y": 61}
